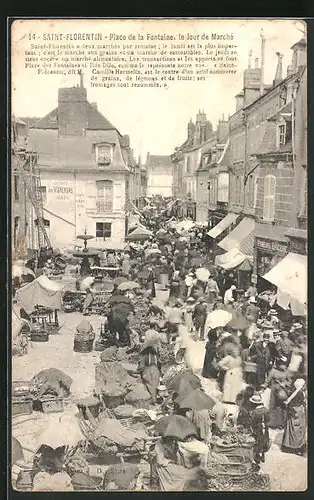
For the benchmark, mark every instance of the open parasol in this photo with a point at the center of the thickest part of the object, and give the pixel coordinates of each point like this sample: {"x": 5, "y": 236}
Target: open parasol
{"x": 120, "y": 279}
{"x": 64, "y": 432}
{"x": 20, "y": 270}
{"x": 218, "y": 318}
{"x": 175, "y": 426}
{"x": 202, "y": 274}
{"x": 184, "y": 225}
{"x": 139, "y": 234}
{"x": 196, "y": 400}
{"x": 128, "y": 285}
{"x": 185, "y": 376}
{"x": 152, "y": 251}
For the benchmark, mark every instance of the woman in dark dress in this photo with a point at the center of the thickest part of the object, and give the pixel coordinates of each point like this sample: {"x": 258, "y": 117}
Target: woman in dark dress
{"x": 209, "y": 371}
{"x": 259, "y": 429}
{"x": 294, "y": 436}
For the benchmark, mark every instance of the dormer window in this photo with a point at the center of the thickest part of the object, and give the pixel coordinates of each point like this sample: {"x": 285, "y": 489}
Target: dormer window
{"x": 281, "y": 135}
{"x": 104, "y": 153}
{"x": 284, "y": 132}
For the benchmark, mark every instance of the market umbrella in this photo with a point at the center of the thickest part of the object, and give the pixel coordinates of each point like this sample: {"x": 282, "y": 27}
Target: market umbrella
{"x": 87, "y": 283}
{"x": 20, "y": 270}
{"x": 61, "y": 431}
{"x": 161, "y": 232}
{"x": 152, "y": 251}
{"x": 117, "y": 281}
{"x": 184, "y": 225}
{"x": 175, "y": 426}
{"x": 128, "y": 285}
{"x": 202, "y": 274}
{"x": 185, "y": 376}
{"x": 139, "y": 234}
{"x": 218, "y": 318}
{"x": 196, "y": 400}
{"x": 239, "y": 322}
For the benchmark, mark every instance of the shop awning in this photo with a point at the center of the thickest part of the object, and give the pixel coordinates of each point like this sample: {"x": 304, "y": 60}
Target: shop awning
{"x": 222, "y": 225}
{"x": 290, "y": 277}
{"x": 234, "y": 258}
{"x": 242, "y": 237}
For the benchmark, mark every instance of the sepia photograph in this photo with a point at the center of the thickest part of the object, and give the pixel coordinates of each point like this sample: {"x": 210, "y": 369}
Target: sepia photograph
{"x": 159, "y": 200}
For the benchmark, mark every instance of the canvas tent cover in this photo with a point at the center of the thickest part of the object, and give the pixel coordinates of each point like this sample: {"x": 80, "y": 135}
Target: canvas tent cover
{"x": 42, "y": 291}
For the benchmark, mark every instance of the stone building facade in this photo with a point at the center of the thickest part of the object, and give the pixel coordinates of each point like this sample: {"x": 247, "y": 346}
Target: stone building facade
{"x": 85, "y": 166}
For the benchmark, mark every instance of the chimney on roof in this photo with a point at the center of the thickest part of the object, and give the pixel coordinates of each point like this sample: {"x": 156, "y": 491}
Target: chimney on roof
{"x": 72, "y": 111}
{"x": 94, "y": 104}
{"x": 256, "y": 62}
{"x": 299, "y": 54}
{"x": 222, "y": 129}
{"x": 289, "y": 70}
{"x": 278, "y": 75}
{"x": 80, "y": 72}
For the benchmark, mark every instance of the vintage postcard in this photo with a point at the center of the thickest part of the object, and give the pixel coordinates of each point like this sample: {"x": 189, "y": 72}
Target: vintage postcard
{"x": 159, "y": 254}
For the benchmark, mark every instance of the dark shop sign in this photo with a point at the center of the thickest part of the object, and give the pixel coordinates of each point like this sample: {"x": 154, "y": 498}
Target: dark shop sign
{"x": 271, "y": 245}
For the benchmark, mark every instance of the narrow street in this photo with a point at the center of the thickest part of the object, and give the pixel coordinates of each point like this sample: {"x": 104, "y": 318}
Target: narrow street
{"x": 58, "y": 353}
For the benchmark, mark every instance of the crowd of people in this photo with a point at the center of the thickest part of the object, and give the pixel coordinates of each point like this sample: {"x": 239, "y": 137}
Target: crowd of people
{"x": 255, "y": 357}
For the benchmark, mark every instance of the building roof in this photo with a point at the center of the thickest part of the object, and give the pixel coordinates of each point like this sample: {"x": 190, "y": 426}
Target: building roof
{"x": 95, "y": 120}
{"x": 301, "y": 43}
{"x": 18, "y": 121}
{"x": 74, "y": 152}
{"x": 285, "y": 112}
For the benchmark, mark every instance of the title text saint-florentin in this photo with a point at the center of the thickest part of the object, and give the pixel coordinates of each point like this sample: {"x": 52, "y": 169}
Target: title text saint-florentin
{"x": 117, "y": 37}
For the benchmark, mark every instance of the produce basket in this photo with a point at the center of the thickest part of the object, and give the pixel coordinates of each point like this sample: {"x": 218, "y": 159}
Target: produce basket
{"x": 51, "y": 404}
{"x": 24, "y": 480}
{"x": 92, "y": 403}
{"x": 39, "y": 336}
{"x": 53, "y": 328}
{"x": 83, "y": 342}
{"x": 112, "y": 401}
{"x": 22, "y": 405}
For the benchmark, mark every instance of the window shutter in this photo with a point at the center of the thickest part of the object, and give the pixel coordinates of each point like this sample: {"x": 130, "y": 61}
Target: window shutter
{"x": 90, "y": 194}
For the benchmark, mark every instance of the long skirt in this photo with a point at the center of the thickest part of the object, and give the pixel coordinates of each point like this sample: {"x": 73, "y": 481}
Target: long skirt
{"x": 294, "y": 437}
{"x": 277, "y": 412}
{"x": 150, "y": 378}
{"x": 208, "y": 370}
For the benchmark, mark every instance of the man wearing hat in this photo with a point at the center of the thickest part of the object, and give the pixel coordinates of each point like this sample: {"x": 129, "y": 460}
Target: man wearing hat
{"x": 252, "y": 311}
{"x": 263, "y": 353}
{"x": 273, "y": 317}
{"x": 284, "y": 346}
{"x": 259, "y": 423}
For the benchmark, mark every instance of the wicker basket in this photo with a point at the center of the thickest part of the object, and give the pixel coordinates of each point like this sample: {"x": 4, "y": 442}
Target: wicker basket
{"x": 81, "y": 345}
{"x": 141, "y": 403}
{"x": 51, "y": 404}
{"x": 24, "y": 480}
{"x": 53, "y": 328}
{"x": 113, "y": 401}
{"x": 40, "y": 336}
{"x": 22, "y": 405}
{"x": 235, "y": 451}
{"x": 93, "y": 404}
